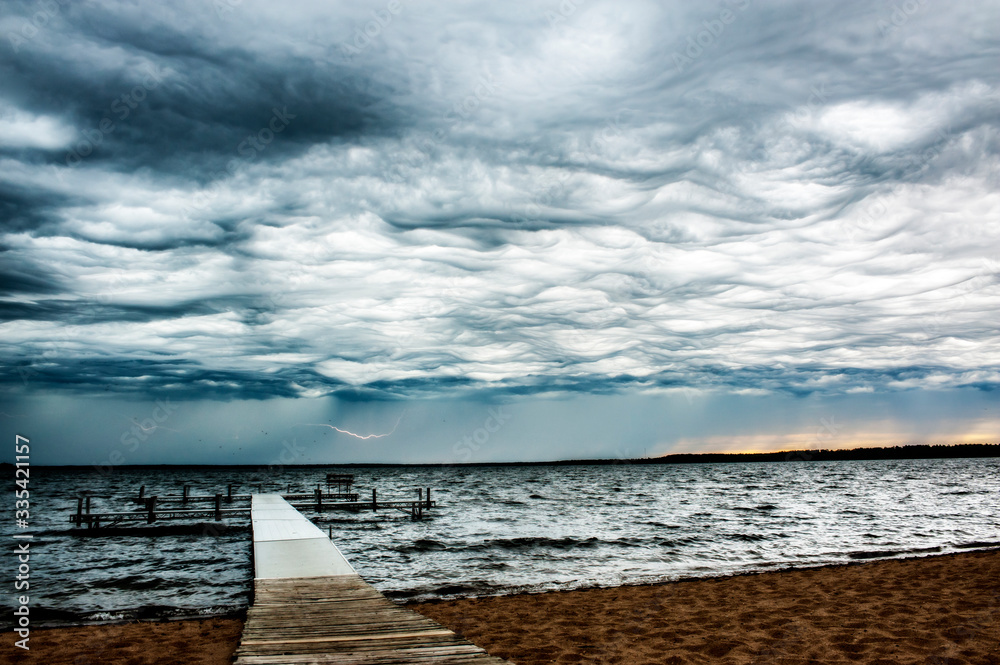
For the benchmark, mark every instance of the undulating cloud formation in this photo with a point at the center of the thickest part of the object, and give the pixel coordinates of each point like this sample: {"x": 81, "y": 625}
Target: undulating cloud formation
{"x": 393, "y": 200}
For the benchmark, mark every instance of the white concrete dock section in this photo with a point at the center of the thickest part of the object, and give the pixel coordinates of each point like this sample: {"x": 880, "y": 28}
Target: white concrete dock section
{"x": 286, "y": 544}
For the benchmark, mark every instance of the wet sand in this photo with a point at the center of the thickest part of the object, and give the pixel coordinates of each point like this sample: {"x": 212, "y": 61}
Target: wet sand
{"x": 939, "y": 610}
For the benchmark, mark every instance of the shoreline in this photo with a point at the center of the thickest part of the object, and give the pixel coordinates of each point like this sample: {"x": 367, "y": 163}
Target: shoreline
{"x": 986, "y": 547}
{"x": 737, "y": 618}
{"x": 235, "y": 615}
{"x": 526, "y": 590}
{"x": 926, "y": 609}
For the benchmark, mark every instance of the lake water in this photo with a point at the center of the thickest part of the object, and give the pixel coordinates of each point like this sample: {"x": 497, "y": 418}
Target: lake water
{"x": 510, "y": 529}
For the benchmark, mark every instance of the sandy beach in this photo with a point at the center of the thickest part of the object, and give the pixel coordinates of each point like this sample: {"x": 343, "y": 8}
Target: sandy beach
{"x": 202, "y": 642}
{"x": 939, "y": 610}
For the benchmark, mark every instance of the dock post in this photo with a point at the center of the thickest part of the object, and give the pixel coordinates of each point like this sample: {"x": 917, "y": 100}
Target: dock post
{"x": 374, "y": 501}
{"x": 142, "y": 493}
{"x": 79, "y": 510}
{"x": 229, "y": 495}
{"x": 187, "y": 489}
{"x": 88, "y": 507}
{"x": 428, "y": 498}
{"x": 319, "y": 498}
{"x": 218, "y": 506}
{"x": 151, "y": 507}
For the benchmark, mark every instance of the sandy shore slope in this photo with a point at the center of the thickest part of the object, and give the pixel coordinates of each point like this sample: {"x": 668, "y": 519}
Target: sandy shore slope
{"x": 204, "y": 642}
{"x": 941, "y": 610}
{"x": 935, "y": 610}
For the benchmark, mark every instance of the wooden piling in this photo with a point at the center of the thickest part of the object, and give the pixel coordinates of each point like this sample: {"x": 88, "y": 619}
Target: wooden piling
{"x": 142, "y": 493}
{"x": 151, "y": 507}
{"x": 79, "y": 510}
{"x": 428, "y": 498}
{"x": 417, "y": 509}
{"x": 187, "y": 490}
{"x": 229, "y": 494}
{"x": 218, "y": 507}
{"x": 319, "y": 498}
{"x": 374, "y": 501}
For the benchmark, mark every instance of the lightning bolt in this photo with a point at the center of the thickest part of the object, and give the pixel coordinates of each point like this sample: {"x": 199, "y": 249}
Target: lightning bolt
{"x": 363, "y": 437}
{"x": 148, "y": 429}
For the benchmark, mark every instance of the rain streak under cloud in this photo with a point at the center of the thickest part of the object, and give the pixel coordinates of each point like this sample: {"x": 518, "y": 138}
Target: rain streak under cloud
{"x": 390, "y": 200}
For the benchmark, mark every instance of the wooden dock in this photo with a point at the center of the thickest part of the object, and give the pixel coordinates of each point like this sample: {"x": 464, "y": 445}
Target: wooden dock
{"x": 183, "y": 506}
{"x": 310, "y": 606}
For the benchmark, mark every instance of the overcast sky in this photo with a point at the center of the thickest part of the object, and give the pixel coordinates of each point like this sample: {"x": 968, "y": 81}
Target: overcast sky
{"x": 638, "y": 227}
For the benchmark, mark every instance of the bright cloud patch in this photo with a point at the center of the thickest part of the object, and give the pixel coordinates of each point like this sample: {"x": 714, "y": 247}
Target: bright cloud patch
{"x": 487, "y": 199}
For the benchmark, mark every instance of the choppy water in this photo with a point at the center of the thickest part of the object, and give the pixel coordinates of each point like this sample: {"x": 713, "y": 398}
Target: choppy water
{"x": 506, "y": 529}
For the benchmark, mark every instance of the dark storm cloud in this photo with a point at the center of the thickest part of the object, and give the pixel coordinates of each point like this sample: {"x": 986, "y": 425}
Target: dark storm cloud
{"x": 146, "y": 92}
{"x": 583, "y": 197}
{"x": 16, "y": 280}
{"x": 25, "y": 207}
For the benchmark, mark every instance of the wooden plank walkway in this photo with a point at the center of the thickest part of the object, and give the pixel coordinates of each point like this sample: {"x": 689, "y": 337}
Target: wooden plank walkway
{"x": 304, "y": 613}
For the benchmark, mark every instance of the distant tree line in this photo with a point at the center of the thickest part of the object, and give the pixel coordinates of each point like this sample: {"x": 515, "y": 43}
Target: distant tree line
{"x": 943, "y": 451}
{"x": 827, "y": 455}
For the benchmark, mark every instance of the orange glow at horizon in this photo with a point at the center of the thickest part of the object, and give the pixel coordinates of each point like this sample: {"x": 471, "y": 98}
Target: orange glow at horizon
{"x": 889, "y": 435}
